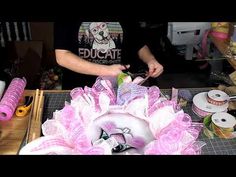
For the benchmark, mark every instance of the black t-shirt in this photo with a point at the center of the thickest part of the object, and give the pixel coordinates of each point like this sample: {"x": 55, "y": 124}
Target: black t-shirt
{"x": 99, "y": 42}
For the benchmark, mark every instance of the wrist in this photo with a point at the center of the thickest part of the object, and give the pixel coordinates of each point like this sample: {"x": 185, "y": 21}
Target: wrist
{"x": 151, "y": 60}
{"x": 103, "y": 70}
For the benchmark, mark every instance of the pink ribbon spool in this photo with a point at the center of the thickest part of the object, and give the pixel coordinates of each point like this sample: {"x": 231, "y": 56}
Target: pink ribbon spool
{"x": 11, "y": 98}
{"x": 217, "y": 97}
{"x": 217, "y": 103}
{"x": 200, "y": 113}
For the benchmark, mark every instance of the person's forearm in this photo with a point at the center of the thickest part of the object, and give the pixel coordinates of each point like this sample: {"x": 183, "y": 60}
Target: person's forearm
{"x": 145, "y": 54}
{"x": 73, "y": 62}
{"x": 154, "y": 67}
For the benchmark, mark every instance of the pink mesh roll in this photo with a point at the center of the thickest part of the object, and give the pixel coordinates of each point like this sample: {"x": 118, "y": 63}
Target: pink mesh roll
{"x": 11, "y": 98}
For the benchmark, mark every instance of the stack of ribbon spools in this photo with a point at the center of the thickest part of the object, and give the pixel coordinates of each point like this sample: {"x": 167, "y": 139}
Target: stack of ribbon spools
{"x": 11, "y": 98}
{"x": 208, "y": 103}
{"x": 212, "y": 106}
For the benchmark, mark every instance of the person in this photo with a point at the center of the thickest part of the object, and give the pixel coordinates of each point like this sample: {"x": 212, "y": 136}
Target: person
{"x": 86, "y": 50}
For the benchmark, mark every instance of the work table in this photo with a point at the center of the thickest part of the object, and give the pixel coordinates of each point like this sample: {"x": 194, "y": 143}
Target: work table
{"x": 13, "y": 132}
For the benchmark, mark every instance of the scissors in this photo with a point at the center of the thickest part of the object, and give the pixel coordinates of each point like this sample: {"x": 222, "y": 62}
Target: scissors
{"x": 21, "y": 111}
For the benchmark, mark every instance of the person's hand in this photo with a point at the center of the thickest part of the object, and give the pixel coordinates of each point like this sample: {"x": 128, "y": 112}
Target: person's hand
{"x": 115, "y": 69}
{"x": 155, "y": 68}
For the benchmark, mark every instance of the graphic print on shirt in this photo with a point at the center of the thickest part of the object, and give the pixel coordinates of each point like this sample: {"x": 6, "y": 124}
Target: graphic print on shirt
{"x": 100, "y": 42}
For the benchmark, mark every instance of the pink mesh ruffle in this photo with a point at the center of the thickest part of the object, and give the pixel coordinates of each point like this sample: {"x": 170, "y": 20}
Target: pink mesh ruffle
{"x": 68, "y": 132}
{"x": 179, "y": 137}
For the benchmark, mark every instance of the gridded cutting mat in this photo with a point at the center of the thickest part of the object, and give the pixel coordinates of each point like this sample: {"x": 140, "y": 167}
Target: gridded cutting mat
{"x": 53, "y": 102}
{"x": 216, "y": 146}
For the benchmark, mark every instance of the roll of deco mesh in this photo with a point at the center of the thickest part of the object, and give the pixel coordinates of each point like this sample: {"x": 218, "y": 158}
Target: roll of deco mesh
{"x": 11, "y": 98}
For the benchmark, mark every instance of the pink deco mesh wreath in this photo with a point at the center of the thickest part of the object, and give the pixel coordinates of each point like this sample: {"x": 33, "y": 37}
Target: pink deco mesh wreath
{"x": 131, "y": 119}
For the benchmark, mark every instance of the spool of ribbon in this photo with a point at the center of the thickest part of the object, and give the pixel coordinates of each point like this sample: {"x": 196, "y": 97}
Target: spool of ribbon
{"x": 221, "y": 125}
{"x": 217, "y": 97}
{"x": 22, "y": 111}
{"x": 199, "y": 112}
{"x": 11, "y": 98}
{"x": 202, "y": 108}
{"x": 2, "y": 88}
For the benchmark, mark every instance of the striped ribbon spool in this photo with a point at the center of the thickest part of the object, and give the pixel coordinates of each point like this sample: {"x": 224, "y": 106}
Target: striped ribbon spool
{"x": 221, "y": 125}
{"x": 199, "y": 112}
{"x": 217, "y": 97}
